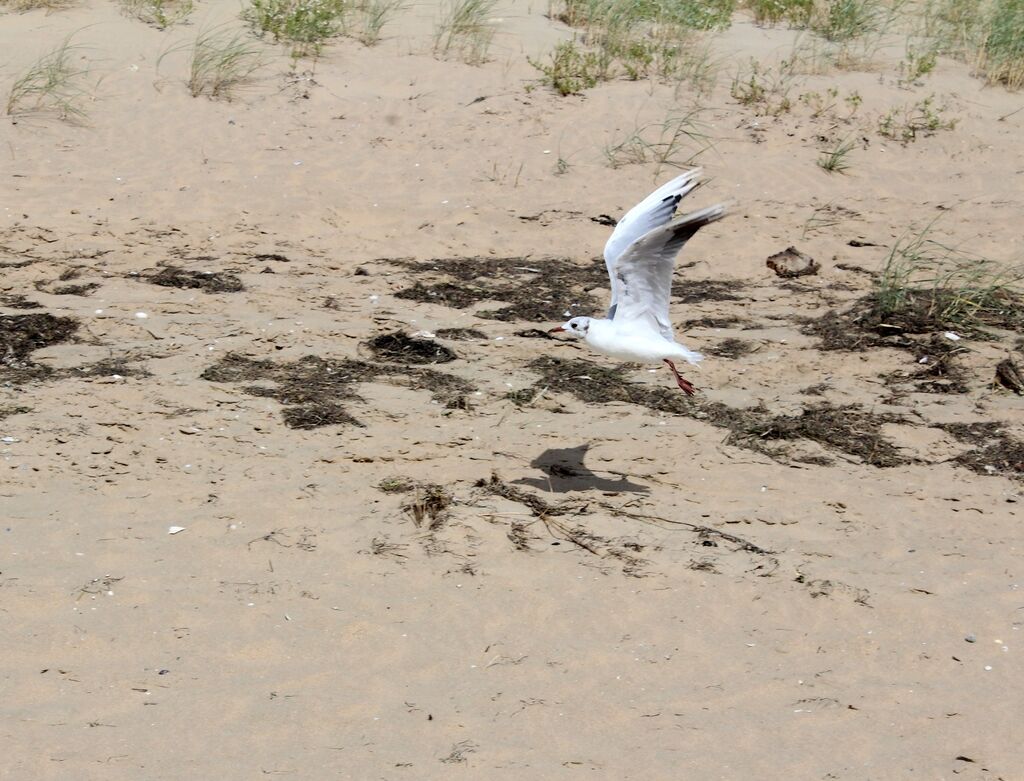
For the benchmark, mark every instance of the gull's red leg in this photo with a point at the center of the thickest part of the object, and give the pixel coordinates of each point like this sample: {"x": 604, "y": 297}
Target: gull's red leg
{"x": 684, "y": 384}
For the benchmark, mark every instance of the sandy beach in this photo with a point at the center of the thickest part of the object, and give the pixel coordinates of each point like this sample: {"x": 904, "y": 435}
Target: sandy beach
{"x": 296, "y": 484}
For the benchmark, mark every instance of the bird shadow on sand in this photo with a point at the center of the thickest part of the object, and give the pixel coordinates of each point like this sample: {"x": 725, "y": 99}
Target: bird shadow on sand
{"x": 565, "y": 471}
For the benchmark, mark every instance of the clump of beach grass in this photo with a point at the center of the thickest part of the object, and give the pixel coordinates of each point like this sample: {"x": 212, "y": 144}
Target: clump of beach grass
{"x": 636, "y": 39}
{"x": 220, "y": 61}
{"x": 464, "y": 28}
{"x": 925, "y": 284}
{"x": 159, "y": 13}
{"x": 596, "y": 15}
{"x": 764, "y": 89}
{"x": 370, "y": 18}
{"x": 795, "y": 13}
{"x": 303, "y": 24}
{"x": 572, "y": 68}
{"x": 674, "y": 142}
{"x": 53, "y": 85}
{"x": 845, "y": 20}
{"x": 908, "y": 123}
{"x": 987, "y": 34}
{"x": 835, "y": 160}
{"x": 21, "y": 6}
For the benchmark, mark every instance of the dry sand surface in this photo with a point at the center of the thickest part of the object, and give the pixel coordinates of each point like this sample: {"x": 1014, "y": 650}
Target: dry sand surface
{"x": 482, "y": 553}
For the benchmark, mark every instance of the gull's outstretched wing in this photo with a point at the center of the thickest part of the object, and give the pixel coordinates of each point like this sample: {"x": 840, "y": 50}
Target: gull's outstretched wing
{"x": 643, "y": 273}
{"x": 653, "y": 211}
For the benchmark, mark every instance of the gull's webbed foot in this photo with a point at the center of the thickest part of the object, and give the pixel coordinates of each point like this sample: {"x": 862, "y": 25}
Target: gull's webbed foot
{"x": 684, "y": 385}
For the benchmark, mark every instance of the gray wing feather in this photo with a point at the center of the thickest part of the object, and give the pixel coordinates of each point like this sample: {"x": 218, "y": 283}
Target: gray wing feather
{"x": 643, "y": 273}
{"x": 653, "y": 211}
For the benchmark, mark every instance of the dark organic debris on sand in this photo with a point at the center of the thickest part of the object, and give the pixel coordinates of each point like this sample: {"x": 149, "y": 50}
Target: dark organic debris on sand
{"x": 309, "y": 388}
{"x": 732, "y": 348}
{"x": 207, "y": 281}
{"x": 428, "y": 505}
{"x": 461, "y": 334}
{"x": 498, "y": 487}
{"x": 936, "y": 369}
{"x": 401, "y": 348}
{"x": 108, "y": 367}
{"x": 83, "y": 289}
{"x": 20, "y": 335}
{"x": 687, "y": 291}
{"x": 315, "y": 414}
{"x": 18, "y": 301}
{"x": 6, "y": 412}
{"x": 55, "y": 287}
{"x": 621, "y": 550}
{"x": 533, "y": 289}
{"x": 593, "y": 383}
{"x": 396, "y": 485}
{"x": 446, "y": 389}
{"x": 312, "y": 388}
{"x": 716, "y": 322}
{"x": 1008, "y": 374}
{"x": 845, "y": 429}
{"x": 996, "y": 451}
{"x": 865, "y": 324}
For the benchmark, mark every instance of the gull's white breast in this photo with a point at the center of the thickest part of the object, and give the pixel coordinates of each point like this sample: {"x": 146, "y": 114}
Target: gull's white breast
{"x": 635, "y": 341}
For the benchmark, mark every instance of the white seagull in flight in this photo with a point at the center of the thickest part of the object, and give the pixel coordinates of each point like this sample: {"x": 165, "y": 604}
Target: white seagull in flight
{"x": 640, "y": 256}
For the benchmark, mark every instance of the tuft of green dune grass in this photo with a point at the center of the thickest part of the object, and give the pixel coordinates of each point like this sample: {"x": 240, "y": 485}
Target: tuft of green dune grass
{"x": 303, "y": 24}
{"x": 987, "y": 34}
{"x": 924, "y": 282}
{"x": 159, "y": 13}
{"x": 52, "y": 85}
{"x": 463, "y": 27}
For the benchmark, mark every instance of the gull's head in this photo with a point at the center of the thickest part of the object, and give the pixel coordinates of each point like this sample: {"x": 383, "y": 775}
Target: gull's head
{"x": 577, "y": 327}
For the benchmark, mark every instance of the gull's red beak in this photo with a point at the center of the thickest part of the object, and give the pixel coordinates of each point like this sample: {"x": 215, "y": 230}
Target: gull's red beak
{"x": 557, "y": 330}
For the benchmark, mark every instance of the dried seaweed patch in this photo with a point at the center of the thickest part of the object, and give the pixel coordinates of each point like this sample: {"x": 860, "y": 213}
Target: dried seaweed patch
{"x": 715, "y": 322}
{"x": 207, "y": 281}
{"x": 84, "y": 289}
{"x": 402, "y": 348}
{"x": 312, "y": 388}
{"x": 446, "y": 389}
{"x": 535, "y": 290}
{"x": 997, "y": 452}
{"x": 18, "y": 301}
{"x": 21, "y": 335}
{"x": 697, "y": 291}
{"x": 868, "y": 323}
{"x": 461, "y": 334}
{"x": 593, "y": 383}
{"x": 850, "y": 429}
{"x": 732, "y": 348}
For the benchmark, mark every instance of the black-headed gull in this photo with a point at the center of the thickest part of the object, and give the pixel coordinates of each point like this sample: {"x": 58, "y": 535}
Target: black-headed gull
{"x": 640, "y": 256}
